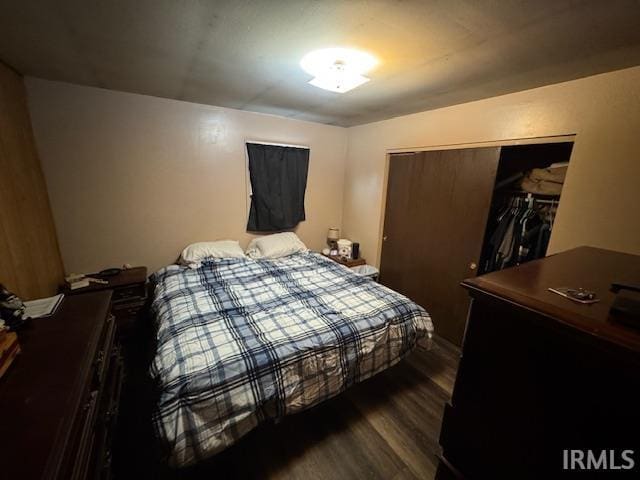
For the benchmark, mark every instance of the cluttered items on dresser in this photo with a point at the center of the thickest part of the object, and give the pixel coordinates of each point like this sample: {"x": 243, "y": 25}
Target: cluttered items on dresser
{"x": 12, "y": 309}
{"x": 347, "y": 253}
{"x": 342, "y": 248}
{"x": 578, "y": 295}
{"x": 14, "y": 313}
{"x": 12, "y": 317}
{"x": 77, "y": 281}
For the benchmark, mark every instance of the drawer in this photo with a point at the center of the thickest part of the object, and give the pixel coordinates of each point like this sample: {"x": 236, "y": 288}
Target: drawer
{"x": 127, "y": 316}
{"x": 129, "y": 293}
{"x": 107, "y": 415}
{"x": 128, "y": 309}
{"x": 101, "y": 360}
{"x": 113, "y": 386}
{"x": 85, "y": 445}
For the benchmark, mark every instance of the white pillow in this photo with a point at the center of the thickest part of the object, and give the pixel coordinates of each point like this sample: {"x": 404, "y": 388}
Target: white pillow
{"x": 196, "y": 252}
{"x": 275, "y": 246}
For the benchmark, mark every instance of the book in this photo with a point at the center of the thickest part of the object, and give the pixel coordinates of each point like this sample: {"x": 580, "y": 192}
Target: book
{"x": 42, "y": 307}
{"x": 7, "y": 344}
{"x": 9, "y": 348}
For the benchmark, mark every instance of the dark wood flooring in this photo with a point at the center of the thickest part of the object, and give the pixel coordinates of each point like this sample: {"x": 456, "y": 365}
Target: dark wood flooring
{"x": 386, "y": 427}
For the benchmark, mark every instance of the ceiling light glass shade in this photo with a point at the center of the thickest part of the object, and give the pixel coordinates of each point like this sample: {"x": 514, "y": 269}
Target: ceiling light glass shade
{"x": 338, "y": 80}
{"x": 319, "y": 61}
{"x": 338, "y": 69}
{"x": 340, "y": 85}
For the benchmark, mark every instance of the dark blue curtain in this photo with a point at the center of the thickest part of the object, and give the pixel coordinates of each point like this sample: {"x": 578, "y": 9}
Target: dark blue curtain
{"x": 278, "y": 183}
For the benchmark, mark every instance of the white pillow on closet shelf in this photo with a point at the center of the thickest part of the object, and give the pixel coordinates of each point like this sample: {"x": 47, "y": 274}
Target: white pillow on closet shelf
{"x": 275, "y": 246}
{"x": 195, "y": 253}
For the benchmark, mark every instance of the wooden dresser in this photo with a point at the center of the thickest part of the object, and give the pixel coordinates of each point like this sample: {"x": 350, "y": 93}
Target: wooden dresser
{"x": 540, "y": 374}
{"x": 59, "y": 399}
{"x": 129, "y": 296}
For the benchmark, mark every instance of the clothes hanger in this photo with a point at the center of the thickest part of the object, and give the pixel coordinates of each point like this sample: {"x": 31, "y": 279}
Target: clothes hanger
{"x": 505, "y": 209}
{"x": 552, "y": 214}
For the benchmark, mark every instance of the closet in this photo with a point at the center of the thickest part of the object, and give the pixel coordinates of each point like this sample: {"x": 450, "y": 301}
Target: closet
{"x": 453, "y": 214}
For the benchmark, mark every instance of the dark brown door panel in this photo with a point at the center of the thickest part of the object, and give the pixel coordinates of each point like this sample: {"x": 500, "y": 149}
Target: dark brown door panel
{"x": 435, "y": 218}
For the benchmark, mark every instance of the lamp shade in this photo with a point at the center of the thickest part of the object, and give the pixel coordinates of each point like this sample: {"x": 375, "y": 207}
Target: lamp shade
{"x": 338, "y": 69}
{"x": 333, "y": 234}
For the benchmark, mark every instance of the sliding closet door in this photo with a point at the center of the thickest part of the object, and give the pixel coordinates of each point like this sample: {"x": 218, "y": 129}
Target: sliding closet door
{"x": 435, "y": 218}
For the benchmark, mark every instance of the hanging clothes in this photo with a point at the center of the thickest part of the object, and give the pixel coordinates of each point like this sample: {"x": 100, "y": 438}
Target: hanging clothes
{"x": 521, "y": 232}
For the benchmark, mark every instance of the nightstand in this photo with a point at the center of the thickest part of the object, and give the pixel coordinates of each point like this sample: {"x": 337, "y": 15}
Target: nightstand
{"x": 129, "y": 296}
{"x": 347, "y": 263}
{"x": 360, "y": 266}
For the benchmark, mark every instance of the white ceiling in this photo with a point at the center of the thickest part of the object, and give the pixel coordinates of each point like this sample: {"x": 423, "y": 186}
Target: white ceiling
{"x": 245, "y": 54}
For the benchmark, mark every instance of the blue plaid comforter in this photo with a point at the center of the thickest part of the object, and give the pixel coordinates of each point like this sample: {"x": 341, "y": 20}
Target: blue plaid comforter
{"x": 241, "y": 341}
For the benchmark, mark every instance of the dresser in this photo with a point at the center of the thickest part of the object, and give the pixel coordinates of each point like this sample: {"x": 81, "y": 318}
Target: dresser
{"x": 129, "y": 298}
{"x": 540, "y": 374}
{"x": 59, "y": 400}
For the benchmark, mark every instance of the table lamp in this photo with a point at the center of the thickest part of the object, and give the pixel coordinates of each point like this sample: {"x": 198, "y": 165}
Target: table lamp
{"x": 332, "y": 238}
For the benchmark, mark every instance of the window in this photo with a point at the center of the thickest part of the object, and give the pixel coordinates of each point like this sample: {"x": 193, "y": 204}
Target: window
{"x": 278, "y": 176}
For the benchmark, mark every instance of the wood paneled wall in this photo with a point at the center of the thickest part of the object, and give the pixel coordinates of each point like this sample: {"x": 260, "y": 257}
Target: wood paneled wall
{"x": 30, "y": 263}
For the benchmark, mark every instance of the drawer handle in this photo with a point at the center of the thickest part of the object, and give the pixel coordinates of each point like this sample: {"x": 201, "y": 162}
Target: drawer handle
{"x": 99, "y": 366}
{"x": 100, "y": 359}
{"x": 92, "y": 400}
{"x": 109, "y": 414}
{"x": 107, "y": 460}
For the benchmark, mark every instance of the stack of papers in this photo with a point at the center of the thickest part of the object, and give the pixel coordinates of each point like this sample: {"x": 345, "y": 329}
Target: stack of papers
{"x": 42, "y": 307}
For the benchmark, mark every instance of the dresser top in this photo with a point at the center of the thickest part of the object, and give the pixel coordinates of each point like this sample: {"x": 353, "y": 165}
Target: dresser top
{"x": 126, "y": 277}
{"x": 41, "y": 390}
{"x": 590, "y": 268}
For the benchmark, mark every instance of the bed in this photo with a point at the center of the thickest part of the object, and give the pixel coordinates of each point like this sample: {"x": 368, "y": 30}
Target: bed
{"x": 242, "y": 341}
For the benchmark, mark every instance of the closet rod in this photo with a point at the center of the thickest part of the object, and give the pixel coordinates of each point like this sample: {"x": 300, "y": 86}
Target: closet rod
{"x": 546, "y": 202}
{"x": 531, "y": 196}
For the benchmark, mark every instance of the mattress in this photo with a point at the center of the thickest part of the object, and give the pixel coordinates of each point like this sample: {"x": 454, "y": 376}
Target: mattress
{"x": 242, "y": 341}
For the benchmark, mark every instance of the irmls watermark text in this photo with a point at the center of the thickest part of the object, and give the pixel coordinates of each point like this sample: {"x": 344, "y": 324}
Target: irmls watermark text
{"x": 587, "y": 459}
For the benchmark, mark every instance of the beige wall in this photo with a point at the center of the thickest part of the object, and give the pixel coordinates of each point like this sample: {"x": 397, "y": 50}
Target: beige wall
{"x": 601, "y": 196}
{"x": 134, "y": 178}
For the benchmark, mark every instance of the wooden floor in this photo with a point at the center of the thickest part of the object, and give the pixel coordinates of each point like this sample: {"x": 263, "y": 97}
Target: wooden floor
{"x": 386, "y": 427}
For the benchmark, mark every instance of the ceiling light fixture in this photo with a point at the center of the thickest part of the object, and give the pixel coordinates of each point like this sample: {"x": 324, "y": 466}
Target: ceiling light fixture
{"x": 338, "y": 69}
